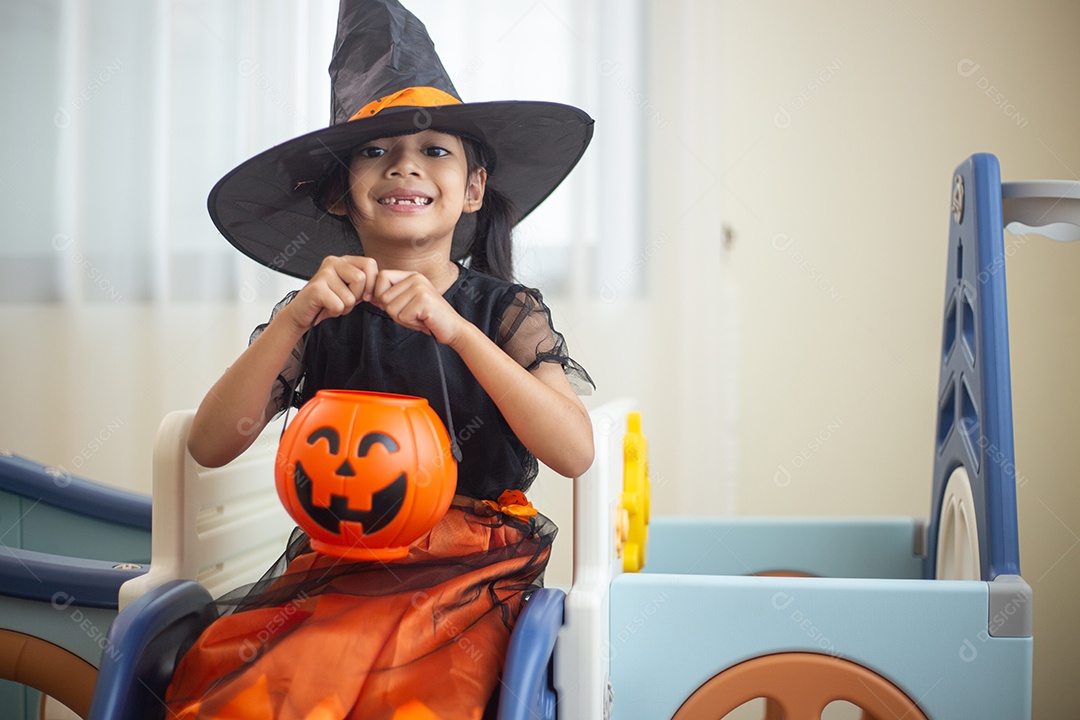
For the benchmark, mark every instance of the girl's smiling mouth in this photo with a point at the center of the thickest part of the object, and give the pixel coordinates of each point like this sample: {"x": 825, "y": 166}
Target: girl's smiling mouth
{"x": 408, "y": 199}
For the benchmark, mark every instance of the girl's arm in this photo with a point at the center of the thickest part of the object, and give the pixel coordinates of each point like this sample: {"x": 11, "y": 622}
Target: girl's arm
{"x": 238, "y": 406}
{"x": 539, "y": 405}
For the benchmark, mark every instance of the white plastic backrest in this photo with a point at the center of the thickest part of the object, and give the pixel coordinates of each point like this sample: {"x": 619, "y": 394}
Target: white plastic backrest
{"x": 582, "y": 651}
{"x": 222, "y": 527}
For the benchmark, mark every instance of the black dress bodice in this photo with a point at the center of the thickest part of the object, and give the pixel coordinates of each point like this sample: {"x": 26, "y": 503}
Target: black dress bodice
{"x": 367, "y": 350}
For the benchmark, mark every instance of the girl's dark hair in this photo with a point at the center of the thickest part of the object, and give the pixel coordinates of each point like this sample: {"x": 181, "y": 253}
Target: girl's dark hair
{"x": 491, "y": 247}
{"x": 490, "y": 250}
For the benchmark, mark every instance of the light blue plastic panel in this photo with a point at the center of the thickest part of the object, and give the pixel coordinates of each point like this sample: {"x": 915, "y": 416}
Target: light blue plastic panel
{"x": 81, "y": 630}
{"x": 54, "y": 530}
{"x": 825, "y": 547}
{"x": 19, "y": 701}
{"x": 49, "y": 510}
{"x": 670, "y": 634}
{"x": 974, "y": 424}
{"x": 68, "y": 522}
{"x": 68, "y": 602}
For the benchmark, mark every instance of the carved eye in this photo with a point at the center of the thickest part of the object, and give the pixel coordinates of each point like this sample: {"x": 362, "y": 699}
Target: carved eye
{"x": 330, "y": 435}
{"x": 376, "y": 438}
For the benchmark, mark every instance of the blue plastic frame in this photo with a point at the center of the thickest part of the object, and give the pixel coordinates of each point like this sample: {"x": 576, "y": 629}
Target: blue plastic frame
{"x": 527, "y": 690}
{"x": 975, "y": 425}
{"x": 145, "y": 639}
{"x": 57, "y": 579}
{"x": 37, "y": 482}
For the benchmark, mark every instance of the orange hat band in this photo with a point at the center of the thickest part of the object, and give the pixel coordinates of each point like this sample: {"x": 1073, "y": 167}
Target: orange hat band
{"x": 409, "y": 97}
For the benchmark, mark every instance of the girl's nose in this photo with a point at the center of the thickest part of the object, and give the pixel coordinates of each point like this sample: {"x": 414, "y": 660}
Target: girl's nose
{"x": 402, "y": 162}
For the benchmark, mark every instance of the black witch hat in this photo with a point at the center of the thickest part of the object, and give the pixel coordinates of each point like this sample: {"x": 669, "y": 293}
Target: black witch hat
{"x": 386, "y": 79}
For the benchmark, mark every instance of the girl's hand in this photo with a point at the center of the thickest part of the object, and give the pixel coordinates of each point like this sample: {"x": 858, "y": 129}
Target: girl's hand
{"x": 411, "y": 300}
{"x": 339, "y": 285}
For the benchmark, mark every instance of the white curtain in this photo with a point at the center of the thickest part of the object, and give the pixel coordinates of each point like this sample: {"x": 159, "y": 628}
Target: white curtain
{"x": 120, "y": 116}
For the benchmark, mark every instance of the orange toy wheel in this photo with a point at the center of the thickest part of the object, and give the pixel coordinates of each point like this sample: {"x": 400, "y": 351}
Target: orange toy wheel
{"x": 798, "y": 686}
{"x": 51, "y": 669}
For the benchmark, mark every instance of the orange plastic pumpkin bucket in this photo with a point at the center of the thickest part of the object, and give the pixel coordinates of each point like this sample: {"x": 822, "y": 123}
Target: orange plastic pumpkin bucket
{"x": 365, "y": 474}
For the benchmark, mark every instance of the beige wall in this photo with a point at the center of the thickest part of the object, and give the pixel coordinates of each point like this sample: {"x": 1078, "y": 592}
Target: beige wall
{"x": 87, "y": 386}
{"x": 825, "y": 135}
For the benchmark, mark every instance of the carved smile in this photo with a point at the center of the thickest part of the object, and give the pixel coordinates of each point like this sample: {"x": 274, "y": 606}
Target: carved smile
{"x": 385, "y": 505}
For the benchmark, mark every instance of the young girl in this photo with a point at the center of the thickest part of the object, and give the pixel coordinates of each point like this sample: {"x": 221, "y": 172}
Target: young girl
{"x": 380, "y": 210}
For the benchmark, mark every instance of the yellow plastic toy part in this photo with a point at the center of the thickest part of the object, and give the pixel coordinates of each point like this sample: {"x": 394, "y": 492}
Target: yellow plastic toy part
{"x": 635, "y": 496}
{"x": 622, "y": 528}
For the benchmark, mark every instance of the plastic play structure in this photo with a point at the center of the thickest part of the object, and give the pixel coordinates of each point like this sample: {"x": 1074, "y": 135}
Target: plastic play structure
{"x": 67, "y": 546}
{"x": 679, "y": 617}
{"x": 76, "y": 553}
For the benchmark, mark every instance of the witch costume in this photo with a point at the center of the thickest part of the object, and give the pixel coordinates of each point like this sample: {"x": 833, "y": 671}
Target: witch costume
{"x": 425, "y": 636}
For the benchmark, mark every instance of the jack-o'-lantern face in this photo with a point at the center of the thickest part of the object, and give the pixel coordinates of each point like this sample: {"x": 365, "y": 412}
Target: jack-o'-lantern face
{"x": 365, "y": 474}
{"x": 347, "y": 497}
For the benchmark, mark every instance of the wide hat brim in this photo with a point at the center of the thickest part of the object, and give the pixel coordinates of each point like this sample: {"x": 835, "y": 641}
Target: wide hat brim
{"x": 266, "y": 208}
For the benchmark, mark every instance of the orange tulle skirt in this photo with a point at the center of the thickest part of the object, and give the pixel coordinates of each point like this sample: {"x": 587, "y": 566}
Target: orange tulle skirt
{"x": 423, "y": 637}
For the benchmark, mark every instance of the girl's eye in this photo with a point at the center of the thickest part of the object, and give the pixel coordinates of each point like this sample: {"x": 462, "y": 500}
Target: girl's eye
{"x": 436, "y": 151}
{"x": 371, "y": 151}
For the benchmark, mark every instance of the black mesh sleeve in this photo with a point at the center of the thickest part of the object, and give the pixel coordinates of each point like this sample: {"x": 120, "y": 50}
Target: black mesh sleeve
{"x": 289, "y": 379}
{"x": 527, "y": 334}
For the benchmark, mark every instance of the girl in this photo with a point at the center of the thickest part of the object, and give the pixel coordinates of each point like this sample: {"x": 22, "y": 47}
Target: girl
{"x": 380, "y": 211}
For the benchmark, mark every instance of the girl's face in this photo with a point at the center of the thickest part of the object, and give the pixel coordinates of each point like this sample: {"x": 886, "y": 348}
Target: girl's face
{"x": 412, "y": 188}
